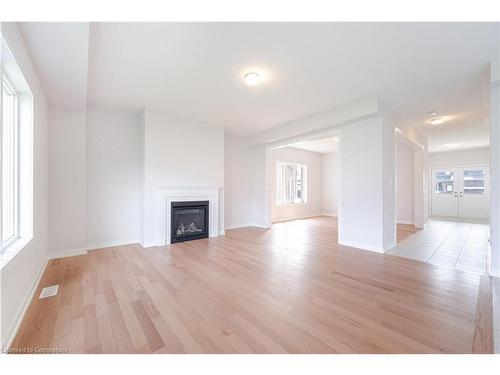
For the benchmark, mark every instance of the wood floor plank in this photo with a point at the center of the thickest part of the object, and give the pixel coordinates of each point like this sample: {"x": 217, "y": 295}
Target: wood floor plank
{"x": 153, "y": 337}
{"x": 291, "y": 289}
{"x": 483, "y": 333}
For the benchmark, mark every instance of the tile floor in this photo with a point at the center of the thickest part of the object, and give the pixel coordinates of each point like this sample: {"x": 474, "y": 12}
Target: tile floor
{"x": 462, "y": 246}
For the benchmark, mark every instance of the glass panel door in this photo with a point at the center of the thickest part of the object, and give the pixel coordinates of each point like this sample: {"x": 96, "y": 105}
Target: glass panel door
{"x": 473, "y": 193}
{"x": 445, "y": 182}
{"x": 474, "y": 181}
{"x": 444, "y": 197}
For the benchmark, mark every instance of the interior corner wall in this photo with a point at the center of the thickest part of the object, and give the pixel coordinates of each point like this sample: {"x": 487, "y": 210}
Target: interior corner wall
{"x": 67, "y": 181}
{"x": 18, "y": 278}
{"x": 182, "y": 153}
{"x": 314, "y": 185}
{"x": 331, "y": 181}
{"x": 405, "y": 183}
{"x": 237, "y": 182}
{"x": 114, "y": 176}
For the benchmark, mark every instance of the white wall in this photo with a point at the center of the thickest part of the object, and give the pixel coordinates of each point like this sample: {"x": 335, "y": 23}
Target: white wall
{"x": 459, "y": 158}
{"x": 405, "y": 183}
{"x": 331, "y": 181}
{"x": 314, "y": 163}
{"x": 494, "y": 96}
{"x": 178, "y": 152}
{"x": 19, "y": 276}
{"x": 114, "y": 176}
{"x": 67, "y": 181}
{"x": 237, "y": 182}
{"x": 388, "y": 167}
{"x": 367, "y": 212}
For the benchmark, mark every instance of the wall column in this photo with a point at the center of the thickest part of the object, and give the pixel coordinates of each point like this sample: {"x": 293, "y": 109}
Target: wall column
{"x": 495, "y": 168}
{"x": 261, "y": 189}
{"x": 420, "y": 187}
{"x": 367, "y": 217}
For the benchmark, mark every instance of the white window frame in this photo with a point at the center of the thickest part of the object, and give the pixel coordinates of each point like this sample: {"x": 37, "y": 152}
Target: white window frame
{"x": 282, "y": 196}
{"x": 16, "y": 235}
{"x": 12, "y": 75}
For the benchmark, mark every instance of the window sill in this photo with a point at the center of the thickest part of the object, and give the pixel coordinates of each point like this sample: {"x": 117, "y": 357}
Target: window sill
{"x": 10, "y": 252}
{"x": 290, "y": 204}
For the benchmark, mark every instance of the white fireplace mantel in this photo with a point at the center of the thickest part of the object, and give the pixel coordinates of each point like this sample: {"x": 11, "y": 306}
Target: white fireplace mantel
{"x": 165, "y": 195}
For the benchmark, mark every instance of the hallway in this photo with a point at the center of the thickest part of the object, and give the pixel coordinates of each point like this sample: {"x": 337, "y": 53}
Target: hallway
{"x": 462, "y": 246}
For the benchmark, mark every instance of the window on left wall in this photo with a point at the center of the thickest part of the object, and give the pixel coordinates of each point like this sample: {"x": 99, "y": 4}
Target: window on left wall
{"x": 16, "y": 157}
{"x": 10, "y": 164}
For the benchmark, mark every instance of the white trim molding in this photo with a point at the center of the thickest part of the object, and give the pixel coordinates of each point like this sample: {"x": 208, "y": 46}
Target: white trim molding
{"x": 405, "y": 221}
{"x": 367, "y": 247}
{"x": 105, "y": 244}
{"x": 24, "y": 307}
{"x": 332, "y": 214}
{"x": 67, "y": 253}
{"x": 300, "y": 217}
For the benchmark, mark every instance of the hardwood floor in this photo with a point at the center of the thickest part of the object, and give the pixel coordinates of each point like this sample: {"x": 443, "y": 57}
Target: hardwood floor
{"x": 404, "y": 231}
{"x": 291, "y": 289}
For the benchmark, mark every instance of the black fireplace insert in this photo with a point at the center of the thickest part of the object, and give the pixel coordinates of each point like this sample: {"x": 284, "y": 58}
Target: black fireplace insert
{"x": 189, "y": 221}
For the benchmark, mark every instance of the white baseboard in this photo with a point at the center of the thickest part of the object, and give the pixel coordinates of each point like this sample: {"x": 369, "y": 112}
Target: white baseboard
{"x": 92, "y": 246}
{"x": 246, "y": 225}
{"x": 102, "y": 245}
{"x": 146, "y": 244}
{"x": 329, "y": 214}
{"x": 389, "y": 247}
{"x": 362, "y": 246}
{"x": 222, "y": 233}
{"x": 24, "y": 307}
{"x": 405, "y": 221}
{"x": 297, "y": 218}
{"x": 261, "y": 226}
{"x": 236, "y": 226}
{"x": 67, "y": 253}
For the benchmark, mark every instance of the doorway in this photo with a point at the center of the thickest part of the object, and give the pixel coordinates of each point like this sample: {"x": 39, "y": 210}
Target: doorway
{"x": 460, "y": 193}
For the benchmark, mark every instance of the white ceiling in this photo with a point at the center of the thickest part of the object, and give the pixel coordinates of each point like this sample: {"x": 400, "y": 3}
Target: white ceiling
{"x": 195, "y": 70}
{"x": 460, "y": 131}
{"x": 321, "y": 146}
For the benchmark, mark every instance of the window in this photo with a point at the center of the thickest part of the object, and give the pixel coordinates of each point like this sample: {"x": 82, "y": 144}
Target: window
{"x": 444, "y": 182}
{"x": 291, "y": 183}
{"x": 474, "y": 181}
{"x": 10, "y": 163}
{"x": 16, "y": 158}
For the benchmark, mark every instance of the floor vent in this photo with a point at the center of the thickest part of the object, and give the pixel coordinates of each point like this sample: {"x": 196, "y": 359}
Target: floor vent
{"x": 49, "y": 291}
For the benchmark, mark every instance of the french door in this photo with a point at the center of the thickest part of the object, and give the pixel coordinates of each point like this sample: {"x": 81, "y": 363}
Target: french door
{"x": 460, "y": 192}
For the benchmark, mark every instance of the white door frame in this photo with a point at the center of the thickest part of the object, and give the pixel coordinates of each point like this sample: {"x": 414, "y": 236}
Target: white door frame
{"x": 457, "y": 168}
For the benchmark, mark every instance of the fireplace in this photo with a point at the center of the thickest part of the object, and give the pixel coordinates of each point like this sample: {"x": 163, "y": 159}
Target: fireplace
{"x": 189, "y": 221}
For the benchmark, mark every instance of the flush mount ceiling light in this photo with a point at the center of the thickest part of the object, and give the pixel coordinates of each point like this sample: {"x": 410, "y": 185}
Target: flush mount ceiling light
{"x": 431, "y": 114}
{"x": 436, "y": 121}
{"x": 252, "y": 79}
{"x": 452, "y": 145}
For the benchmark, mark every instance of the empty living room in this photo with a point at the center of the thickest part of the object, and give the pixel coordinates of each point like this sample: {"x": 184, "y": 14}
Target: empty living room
{"x": 182, "y": 189}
